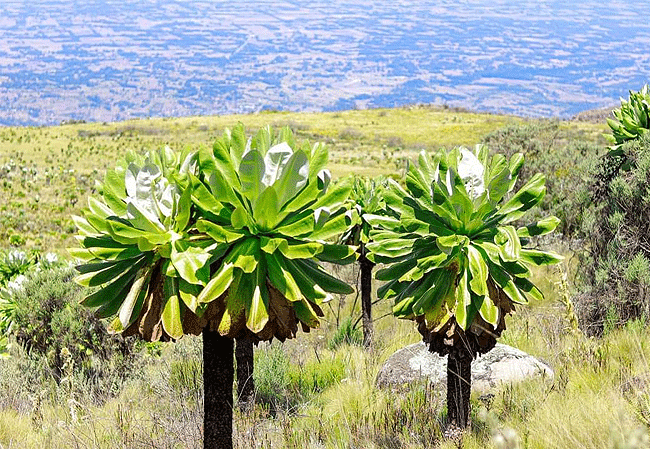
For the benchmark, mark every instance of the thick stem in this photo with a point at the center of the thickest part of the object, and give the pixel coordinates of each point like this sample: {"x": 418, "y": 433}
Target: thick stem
{"x": 366, "y": 298}
{"x": 218, "y": 374}
{"x": 245, "y": 382}
{"x": 459, "y": 387}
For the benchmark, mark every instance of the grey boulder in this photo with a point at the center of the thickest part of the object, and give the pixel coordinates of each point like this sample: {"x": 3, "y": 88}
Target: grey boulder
{"x": 502, "y": 364}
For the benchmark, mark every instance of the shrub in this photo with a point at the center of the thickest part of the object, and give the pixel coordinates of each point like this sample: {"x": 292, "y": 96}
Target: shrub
{"x": 616, "y": 268}
{"x": 563, "y": 157}
{"x": 49, "y": 322}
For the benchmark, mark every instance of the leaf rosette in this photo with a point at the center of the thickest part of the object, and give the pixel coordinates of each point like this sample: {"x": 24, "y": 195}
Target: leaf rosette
{"x": 137, "y": 245}
{"x": 267, "y": 204}
{"x": 454, "y": 261}
{"x": 631, "y": 120}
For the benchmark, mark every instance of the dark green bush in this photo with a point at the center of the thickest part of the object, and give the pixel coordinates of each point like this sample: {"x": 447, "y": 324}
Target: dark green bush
{"x": 562, "y": 155}
{"x": 616, "y": 268}
{"x": 50, "y": 323}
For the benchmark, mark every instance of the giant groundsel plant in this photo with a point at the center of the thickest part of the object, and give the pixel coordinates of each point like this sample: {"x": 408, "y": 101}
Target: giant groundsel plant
{"x": 223, "y": 242}
{"x": 456, "y": 264}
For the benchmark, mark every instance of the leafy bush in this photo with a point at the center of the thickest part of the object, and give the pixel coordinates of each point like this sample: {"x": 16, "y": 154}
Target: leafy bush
{"x": 559, "y": 154}
{"x": 617, "y": 266}
{"x": 48, "y": 319}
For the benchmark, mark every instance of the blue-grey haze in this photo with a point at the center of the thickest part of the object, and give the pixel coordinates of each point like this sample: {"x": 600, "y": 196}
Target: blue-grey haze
{"x": 105, "y": 60}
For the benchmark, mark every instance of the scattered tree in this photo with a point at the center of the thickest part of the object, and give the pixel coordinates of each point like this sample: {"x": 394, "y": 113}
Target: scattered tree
{"x": 367, "y": 198}
{"x": 456, "y": 264}
{"x": 221, "y": 242}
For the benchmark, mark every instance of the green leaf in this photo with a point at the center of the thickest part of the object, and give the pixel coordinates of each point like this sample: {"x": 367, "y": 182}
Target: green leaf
{"x": 115, "y": 298}
{"x": 339, "y": 254}
{"x": 318, "y": 160}
{"x": 479, "y": 271}
{"x": 107, "y": 271}
{"x": 240, "y": 218}
{"x": 223, "y": 162}
{"x": 184, "y": 211}
{"x": 251, "y": 172}
{"x": 204, "y": 199}
{"x": 447, "y": 244}
{"x": 540, "y": 258}
{"x": 257, "y": 314}
{"x": 508, "y": 242}
{"x": 293, "y": 177}
{"x": 218, "y": 284}
{"x": 307, "y": 286}
{"x": 236, "y": 299}
{"x": 335, "y": 226}
{"x": 489, "y": 311}
{"x": 135, "y": 297}
{"x": 171, "y": 310}
{"x": 306, "y": 314}
{"x": 301, "y": 250}
{"x": 395, "y": 271}
{"x": 322, "y": 278}
{"x": 528, "y": 288}
{"x": 218, "y": 232}
{"x": 297, "y": 228}
{"x": 528, "y": 196}
{"x": 190, "y": 262}
{"x": 539, "y": 228}
{"x": 189, "y": 294}
{"x": 463, "y": 302}
{"x": 245, "y": 254}
{"x": 111, "y": 290}
{"x": 281, "y": 278}
{"x": 84, "y": 227}
{"x": 442, "y": 282}
{"x": 266, "y": 208}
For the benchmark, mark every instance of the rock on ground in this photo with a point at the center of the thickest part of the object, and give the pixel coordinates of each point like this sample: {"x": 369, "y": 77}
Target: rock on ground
{"x": 502, "y": 364}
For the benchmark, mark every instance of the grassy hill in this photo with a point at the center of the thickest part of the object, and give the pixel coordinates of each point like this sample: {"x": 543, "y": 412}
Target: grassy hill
{"x": 46, "y": 173}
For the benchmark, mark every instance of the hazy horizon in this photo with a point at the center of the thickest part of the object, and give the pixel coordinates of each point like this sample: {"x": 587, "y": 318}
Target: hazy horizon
{"x": 104, "y": 60}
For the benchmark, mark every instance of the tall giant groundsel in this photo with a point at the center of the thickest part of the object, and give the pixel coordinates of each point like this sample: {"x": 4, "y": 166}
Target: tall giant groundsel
{"x": 265, "y": 203}
{"x": 455, "y": 262}
{"x": 224, "y": 242}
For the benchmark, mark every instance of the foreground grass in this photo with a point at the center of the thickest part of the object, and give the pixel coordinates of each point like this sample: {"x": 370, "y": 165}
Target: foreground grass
{"x": 312, "y": 395}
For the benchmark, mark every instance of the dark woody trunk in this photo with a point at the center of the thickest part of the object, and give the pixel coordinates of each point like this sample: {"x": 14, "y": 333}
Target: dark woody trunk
{"x": 459, "y": 387}
{"x": 218, "y": 374}
{"x": 245, "y": 383}
{"x": 366, "y": 297}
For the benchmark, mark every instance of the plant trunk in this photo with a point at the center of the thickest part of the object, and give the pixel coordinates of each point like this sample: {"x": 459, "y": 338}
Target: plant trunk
{"x": 218, "y": 375}
{"x": 245, "y": 364}
{"x": 366, "y": 298}
{"x": 459, "y": 387}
